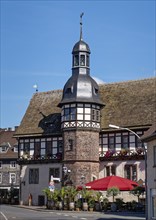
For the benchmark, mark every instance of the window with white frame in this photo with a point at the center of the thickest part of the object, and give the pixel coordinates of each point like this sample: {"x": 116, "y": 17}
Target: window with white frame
{"x": 15, "y": 148}
{"x": 131, "y": 172}
{"x": 110, "y": 170}
{"x": 3, "y": 149}
{"x": 12, "y": 178}
{"x": 12, "y": 164}
{"x": 0, "y": 177}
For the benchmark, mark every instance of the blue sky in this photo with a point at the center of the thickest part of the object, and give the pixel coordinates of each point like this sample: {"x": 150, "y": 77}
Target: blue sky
{"x": 37, "y": 38}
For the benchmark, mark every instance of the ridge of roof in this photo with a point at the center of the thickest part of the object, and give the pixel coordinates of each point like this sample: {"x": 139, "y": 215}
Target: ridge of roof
{"x": 59, "y": 91}
{"x": 127, "y": 81}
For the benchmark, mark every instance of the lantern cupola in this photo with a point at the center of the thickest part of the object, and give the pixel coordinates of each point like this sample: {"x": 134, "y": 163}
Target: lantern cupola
{"x": 80, "y": 100}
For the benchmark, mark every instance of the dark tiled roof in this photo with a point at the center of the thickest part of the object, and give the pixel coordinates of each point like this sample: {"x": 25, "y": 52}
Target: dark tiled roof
{"x": 7, "y": 139}
{"x": 129, "y": 104}
{"x": 40, "y": 112}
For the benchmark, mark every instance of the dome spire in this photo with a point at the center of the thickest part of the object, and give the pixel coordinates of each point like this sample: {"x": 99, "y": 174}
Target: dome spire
{"x": 81, "y": 25}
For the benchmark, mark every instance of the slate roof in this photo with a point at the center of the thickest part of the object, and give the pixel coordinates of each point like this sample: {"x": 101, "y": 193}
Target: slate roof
{"x": 7, "y": 139}
{"x": 129, "y": 104}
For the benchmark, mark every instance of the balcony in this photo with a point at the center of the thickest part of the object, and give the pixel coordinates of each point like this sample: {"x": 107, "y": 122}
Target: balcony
{"x": 123, "y": 154}
{"x": 31, "y": 159}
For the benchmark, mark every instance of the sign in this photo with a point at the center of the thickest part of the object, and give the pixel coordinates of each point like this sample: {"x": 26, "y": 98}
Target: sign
{"x": 51, "y": 184}
{"x": 140, "y": 182}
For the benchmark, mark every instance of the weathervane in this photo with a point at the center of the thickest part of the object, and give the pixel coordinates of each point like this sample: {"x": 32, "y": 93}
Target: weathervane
{"x": 35, "y": 87}
{"x": 81, "y": 25}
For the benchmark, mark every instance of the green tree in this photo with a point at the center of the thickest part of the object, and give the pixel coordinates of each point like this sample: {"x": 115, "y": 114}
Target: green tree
{"x": 87, "y": 194}
{"x": 113, "y": 191}
{"x": 71, "y": 193}
{"x": 138, "y": 191}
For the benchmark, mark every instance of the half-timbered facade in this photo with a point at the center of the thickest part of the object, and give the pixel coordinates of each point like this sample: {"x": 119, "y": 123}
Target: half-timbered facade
{"x": 68, "y": 131}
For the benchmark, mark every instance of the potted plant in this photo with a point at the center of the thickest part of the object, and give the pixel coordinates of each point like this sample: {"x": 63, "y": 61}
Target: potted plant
{"x": 124, "y": 152}
{"x": 47, "y": 193}
{"x": 119, "y": 203}
{"x": 78, "y": 205}
{"x": 139, "y": 150}
{"x": 91, "y": 204}
{"x": 52, "y": 198}
{"x": 105, "y": 204}
{"x": 98, "y": 198}
{"x": 86, "y": 195}
{"x": 62, "y": 195}
{"x": 138, "y": 191}
{"x": 113, "y": 191}
{"x": 55, "y": 198}
{"x": 71, "y": 193}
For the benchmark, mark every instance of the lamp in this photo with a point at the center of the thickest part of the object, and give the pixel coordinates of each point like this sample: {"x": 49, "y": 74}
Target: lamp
{"x": 146, "y": 188}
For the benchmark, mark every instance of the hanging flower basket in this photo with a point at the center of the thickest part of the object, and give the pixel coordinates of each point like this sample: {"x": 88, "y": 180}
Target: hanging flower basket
{"x": 124, "y": 152}
{"x": 139, "y": 150}
{"x": 109, "y": 153}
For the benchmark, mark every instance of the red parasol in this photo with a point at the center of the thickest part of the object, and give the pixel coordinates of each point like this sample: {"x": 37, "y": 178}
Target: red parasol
{"x": 111, "y": 181}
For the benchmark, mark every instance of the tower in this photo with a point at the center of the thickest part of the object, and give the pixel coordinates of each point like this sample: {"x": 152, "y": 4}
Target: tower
{"x": 80, "y": 117}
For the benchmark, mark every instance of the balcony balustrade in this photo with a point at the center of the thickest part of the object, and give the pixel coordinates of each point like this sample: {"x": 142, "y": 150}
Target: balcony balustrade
{"x": 123, "y": 154}
{"x": 30, "y": 159}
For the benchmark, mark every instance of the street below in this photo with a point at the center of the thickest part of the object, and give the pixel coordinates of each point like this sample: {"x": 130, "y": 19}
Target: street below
{"x": 8, "y": 212}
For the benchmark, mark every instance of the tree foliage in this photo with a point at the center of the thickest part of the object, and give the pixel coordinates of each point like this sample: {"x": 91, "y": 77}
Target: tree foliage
{"x": 113, "y": 191}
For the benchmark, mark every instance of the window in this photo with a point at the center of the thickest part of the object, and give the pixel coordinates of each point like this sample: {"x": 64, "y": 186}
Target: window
{"x": 48, "y": 148}
{"x": 12, "y": 179}
{"x": 131, "y": 172}
{"x": 60, "y": 144}
{"x": 82, "y": 60}
{"x": 0, "y": 164}
{"x": 37, "y": 150}
{"x": 111, "y": 142}
{"x": 55, "y": 172}
{"x": 95, "y": 114}
{"x": 87, "y": 64}
{"x": 15, "y": 148}
{"x": 125, "y": 141}
{"x": 68, "y": 91}
{"x": 3, "y": 149}
{"x": 33, "y": 176}
{"x": 69, "y": 113}
{"x": 154, "y": 153}
{"x": 76, "y": 60}
{"x": 0, "y": 177}
{"x": 110, "y": 170}
{"x": 121, "y": 140}
{"x": 26, "y": 148}
{"x": 12, "y": 164}
{"x": 70, "y": 144}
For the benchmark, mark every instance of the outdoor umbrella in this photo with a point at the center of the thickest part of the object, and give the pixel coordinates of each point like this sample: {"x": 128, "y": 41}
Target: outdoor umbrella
{"x": 111, "y": 181}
